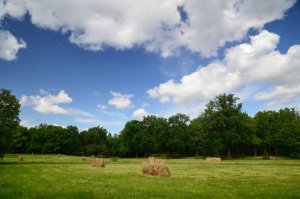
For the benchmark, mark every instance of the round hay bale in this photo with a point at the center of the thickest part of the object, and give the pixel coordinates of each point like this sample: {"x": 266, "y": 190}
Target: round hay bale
{"x": 21, "y": 158}
{"x": 212, "y": 159}
{"x": 156, "y": 167}
{"x": 98, "y": 162}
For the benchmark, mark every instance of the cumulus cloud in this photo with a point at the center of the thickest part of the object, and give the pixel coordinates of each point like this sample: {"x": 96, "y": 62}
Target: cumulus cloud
{"x": 120, "y": 101}
{"x": 212, "y": 23}
{"x": 254, "y": 62}
{"x": 9, "y": 45}
{"x": 154, "y": 24}
{"x": 139, "y": 113}
{"x": 280, "y": 95}
{"x": 47, "y": 103}
{"x": 12, "y": 8}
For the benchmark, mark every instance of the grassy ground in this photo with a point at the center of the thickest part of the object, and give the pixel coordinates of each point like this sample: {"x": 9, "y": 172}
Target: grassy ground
{"x": 71, "y": 177}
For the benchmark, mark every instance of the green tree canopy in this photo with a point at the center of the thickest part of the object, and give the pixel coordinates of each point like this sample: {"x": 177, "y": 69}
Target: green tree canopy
{"x": 9, "y": 118}
{"x": 222, "y": 119}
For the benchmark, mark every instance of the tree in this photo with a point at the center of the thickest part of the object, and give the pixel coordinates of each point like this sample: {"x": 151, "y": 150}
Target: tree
{"x": 9, "y": 119}
{"x": 222, "y": 118}
{"x": 112, "y": 145}
{"x": 179, "y": 141}
{"x": 247, "y": 139}
{"x": 69, "y": 140}
{"x": 154, "y": 135}
{"x": 197, "y": 134}
{"x": 288, "y": 133}
{"x": 94, "y": 141}
{"x": 130, "y": 139}
{"x": 267, "y": 122}
{"x": 21, "y": 140}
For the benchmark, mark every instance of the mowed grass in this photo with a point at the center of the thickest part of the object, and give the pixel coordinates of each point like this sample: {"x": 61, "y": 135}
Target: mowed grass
{"x": 71, "y": 177}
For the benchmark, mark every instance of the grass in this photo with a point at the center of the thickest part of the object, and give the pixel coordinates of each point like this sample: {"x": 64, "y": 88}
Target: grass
{"x": 72, "y": 177}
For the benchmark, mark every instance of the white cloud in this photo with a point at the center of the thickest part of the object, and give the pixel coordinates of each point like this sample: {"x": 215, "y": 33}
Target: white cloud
{"x": 139, "y": 113}
{"x": 114, "y": 114}
{"x": 256, "y": 62}
{"x": 103, "y": 110}
{"x": 280, "y": 95}
{"x": 59, "y": 125}
{"x": 101, "y": 106}
{"x": 71, "y": 111}
{"x": 153, "y": 24}
{"x": 27, "y": 123}
{"x": 213, "y": 23}
{"x": 13, "y": 8}
{"x": 120, "y": 101}
{"x": 47, "y": 103}
{"x": 98, "y": 122}
{"x": 191, "y": 110}
{"x": 9, "y": 45}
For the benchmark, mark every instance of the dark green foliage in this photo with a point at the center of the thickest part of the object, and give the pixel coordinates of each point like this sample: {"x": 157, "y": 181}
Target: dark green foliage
{"x": 9, "y": 119}
{"x": 157, "y": 136}
{"x": 52, "y": 139}
{"x": 223, "y": 123}
{"x": 130, "y": 139}
{"x": 21, "y": 139}
{"x": 221, "y": 130}
{"x": 94, "y": 141}
{"x": 179, "y": 139}
{"x": 154, "y": 131}
{"x": 279, "y": 132}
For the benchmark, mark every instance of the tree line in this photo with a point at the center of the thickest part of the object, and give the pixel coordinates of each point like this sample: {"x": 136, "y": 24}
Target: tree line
{"x": 222, "y": 129}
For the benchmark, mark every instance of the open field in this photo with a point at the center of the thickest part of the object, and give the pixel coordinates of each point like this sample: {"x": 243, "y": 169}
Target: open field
{"x": 72, "y": 177}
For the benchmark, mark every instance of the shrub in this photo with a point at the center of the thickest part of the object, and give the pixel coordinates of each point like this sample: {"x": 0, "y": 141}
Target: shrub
{"x": 156, "y": 167}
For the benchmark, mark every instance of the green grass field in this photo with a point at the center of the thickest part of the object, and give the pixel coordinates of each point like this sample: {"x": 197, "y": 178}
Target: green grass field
{"x": 71, "y": 177}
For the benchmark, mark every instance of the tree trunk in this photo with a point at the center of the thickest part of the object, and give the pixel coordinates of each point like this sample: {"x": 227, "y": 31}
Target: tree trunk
{"x": 228, "y": 152}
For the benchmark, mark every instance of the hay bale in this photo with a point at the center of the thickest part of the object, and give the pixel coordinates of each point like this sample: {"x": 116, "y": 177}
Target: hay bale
{"x": 213, "y": 159}
{"x": 98, "y": 162}
{"x": 156, "y": 167}
{"x": 21, "y": 158}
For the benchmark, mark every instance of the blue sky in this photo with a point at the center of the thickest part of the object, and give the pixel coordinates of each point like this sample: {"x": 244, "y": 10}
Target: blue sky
{"x": 101, "y": 63}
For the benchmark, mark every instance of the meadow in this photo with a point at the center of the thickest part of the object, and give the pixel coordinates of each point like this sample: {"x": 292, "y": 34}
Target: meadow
{"x": 71, "y": 177}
